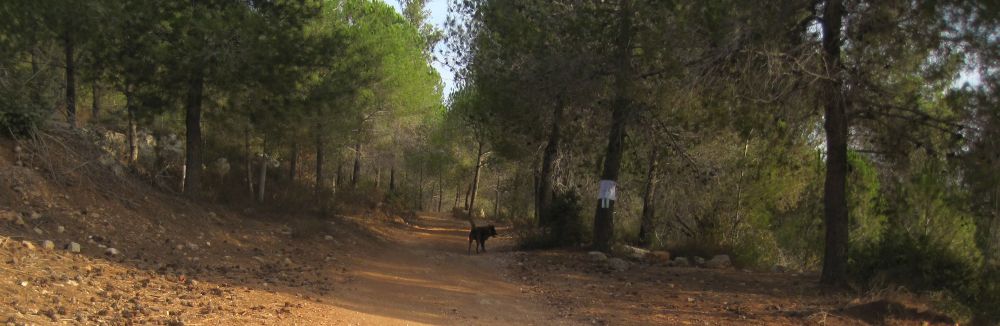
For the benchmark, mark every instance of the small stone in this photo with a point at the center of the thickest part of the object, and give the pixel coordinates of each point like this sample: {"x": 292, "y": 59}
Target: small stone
{"x": 719, "y": 262}
{"x": 597, "y": 256}
{"x": 73, "y": 247}
{"x": 288, "y": 261}
{"x": 690, "y": 299}
{"x": 681, "y": 262}
{"x": 20, "y": 221}
{"x": 660, "y": 256}
{"x": 111, "y": 252}
{"x": 35, "y": 215}
{"x": 61, "y": 229}
{"x": 192, "y": 246}
{"x": 328, "y": 238}
{"x": 618, "y": 264}
{"x": 39, "y": 231}
{"x": 699, "y": 261}
{"x": 48, "y": 244}
{"x": 24, "y": 283}
{"x": 27, "y": 244}
{"x": 72, "y": 283}
{"x": 179, "y": 247}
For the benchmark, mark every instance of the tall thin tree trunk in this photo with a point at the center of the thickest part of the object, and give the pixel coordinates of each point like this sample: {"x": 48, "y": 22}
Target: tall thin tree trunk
{"x": 133, "y": 137}
{"x": 357, "y": 165}
{"x": 320, "y": 146}
{"x": 392, "y": 179}
{"x": 36, "y": 93}
{"x": 458, "y": 194}
{"x": 248, "y": 158}
{"x": 605, "y": 215}
{"x": 468, "y": 192}
{"x": 340, "y": 173}
{"x": 95, "y": 110}
{"x": 293, "y": 161}
{"x": 70, "y": 81}
{"x": 420, "y": 189}
{"x": 648, "y": 201}
{"x": 475, "y": 178}
{"x": 440, "y": 190}
{"x": 549, "y": 161}
{"x": 496, "y": 202}
{"x": 378, "y": 177}
{"x": 263, "y": 172}
{"x": 836, "y": 127}
{"x": 192, "y": 120}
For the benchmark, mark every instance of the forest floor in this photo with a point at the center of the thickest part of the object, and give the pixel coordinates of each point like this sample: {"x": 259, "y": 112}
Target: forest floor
{"x": 182, "y": 263}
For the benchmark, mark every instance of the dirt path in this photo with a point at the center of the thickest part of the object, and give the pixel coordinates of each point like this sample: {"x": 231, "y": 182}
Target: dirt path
{"x": 424, "y": 276}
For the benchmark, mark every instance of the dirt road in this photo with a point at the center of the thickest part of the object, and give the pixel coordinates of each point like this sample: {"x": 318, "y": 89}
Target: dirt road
{"x": 424, "y": 276}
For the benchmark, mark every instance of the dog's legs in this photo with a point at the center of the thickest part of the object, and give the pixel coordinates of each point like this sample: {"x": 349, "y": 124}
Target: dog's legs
{"x": 470, "y": 246}
{"x": 484, "y": 246}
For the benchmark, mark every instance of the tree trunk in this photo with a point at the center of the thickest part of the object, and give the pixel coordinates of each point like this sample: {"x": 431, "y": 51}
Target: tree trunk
{"x": 475, "y": 178}
{"x": 392, "y": 179}
{"x": 605, "y": 214}
{"x": 420, "y": 189}
{"x": 440, "y": 190}
{"x": 70, "y": 82}
{"x": 133, "y": 137}
{"x": 36, "y": 92}
{"x": 648, "y": 201}
{"x": 192, "y": 121}
{"x": 357, "y": 165}
{"x": 340, "y": 173}
{"x": 458, "y": 194}
{"x": 319, "y": 160}
{"x": 496, "y": 202}
{"x": 549, "y": 161}
{"x": 468, "y": 191}
{"x": 248, "y": 158}
{"x": 293, "y": 161}
{"x": 263, "y": 172}
{"x": 95, "y": 112}
{"x": 836, "y": 127}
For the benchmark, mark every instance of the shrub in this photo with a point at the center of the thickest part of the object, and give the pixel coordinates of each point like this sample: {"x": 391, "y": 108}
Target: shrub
{"x": 566, "y": 227}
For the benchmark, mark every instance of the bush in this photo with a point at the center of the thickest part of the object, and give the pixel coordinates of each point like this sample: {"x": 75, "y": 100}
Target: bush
{"x": 923, "y": 265}
{"x": 565, "y": 229}
{"x": 17, "y": 118}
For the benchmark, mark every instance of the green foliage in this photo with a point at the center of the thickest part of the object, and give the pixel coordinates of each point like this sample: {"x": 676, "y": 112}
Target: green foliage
{"x": 567, "y": 228}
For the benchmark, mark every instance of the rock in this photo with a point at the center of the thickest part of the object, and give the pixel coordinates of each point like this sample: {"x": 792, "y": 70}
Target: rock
{"x": 778, "y": 269}
{"x": 48, "y": 244}
{"x": 699, "y": 261}
{"x": 61, "y": 229}
{"x": 35, "y": 215}
{"x": 597, "y": 256}
{"x": 690, "y": 299}
{"x": 288, "y": 261}
{"x": 20, "y": 221}
{"x": 631, "y": 252}
{"x": 681, "y": 262}
{"x": 111, "y": 252}
{"x": 8, "y": 216}
{"x": 27, "y": 244}
{"x": 39, "y": 231}
{"x": 660, "y": 256}
{"x": 73, "y": 247}
{"x": 24, "y": 283}
{"x": 328, "y": 237}
{"x": 618, "y": 264}
{"x": 179, "y": 247}
{"x": 192, "y": 246}
{"x": 719, "y": 262}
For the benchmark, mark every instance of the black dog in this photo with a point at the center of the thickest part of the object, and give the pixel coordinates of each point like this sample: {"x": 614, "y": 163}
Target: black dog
{"x": 480, "y": 234}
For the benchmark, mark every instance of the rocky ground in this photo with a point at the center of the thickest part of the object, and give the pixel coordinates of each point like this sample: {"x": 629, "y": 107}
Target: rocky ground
{"x": 89, "y": 245}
